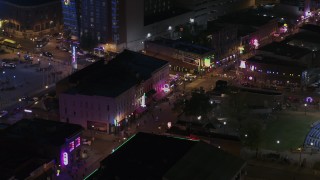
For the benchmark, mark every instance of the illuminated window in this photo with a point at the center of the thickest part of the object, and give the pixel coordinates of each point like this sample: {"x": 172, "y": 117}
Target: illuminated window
{"x": 78, "y": 141}
{"x": 71, "y": 146}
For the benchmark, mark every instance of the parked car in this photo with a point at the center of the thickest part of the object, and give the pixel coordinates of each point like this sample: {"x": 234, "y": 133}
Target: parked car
{"x": 47, "y": 54}
{"x": 3, "y": 114}
{"x": 90, "y": 60}
{"x": 9, "y": 65}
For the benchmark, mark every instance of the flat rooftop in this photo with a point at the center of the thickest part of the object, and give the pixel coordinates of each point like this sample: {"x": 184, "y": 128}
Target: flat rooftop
{"x": 183, "y": 46}
{"x": 118, "y": 75}
{"x": 149, "y": 156}
{"x": 304, "y": 37}
{"x": 311, "y": 27}
{"x": 29, "y": 2}
{"x": 42, "y": 131}
{"x": 27, "y": 145}
{"x": 247, "y": 18}
{"x": 277, "y": 62}
{"x": 283, "y": 49}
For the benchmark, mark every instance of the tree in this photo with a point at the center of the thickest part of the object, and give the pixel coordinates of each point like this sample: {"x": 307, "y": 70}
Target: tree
{"x": 198, "y": 105}
{"x": 251, "y": 132}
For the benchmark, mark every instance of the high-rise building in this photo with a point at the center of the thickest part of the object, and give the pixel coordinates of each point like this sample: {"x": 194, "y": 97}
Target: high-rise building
{"x": 71, "y": 16}
{"x": 119, "y": 24}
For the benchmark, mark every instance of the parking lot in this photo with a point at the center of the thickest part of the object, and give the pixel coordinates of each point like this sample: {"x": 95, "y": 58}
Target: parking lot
{"x": 26, "y": 78}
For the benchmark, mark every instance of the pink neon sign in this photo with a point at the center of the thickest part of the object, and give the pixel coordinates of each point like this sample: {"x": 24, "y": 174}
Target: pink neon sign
{"x": 78, "y": 141}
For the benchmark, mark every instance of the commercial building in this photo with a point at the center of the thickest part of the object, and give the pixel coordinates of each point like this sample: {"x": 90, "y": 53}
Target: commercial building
{"x": 208, "y": 10}
{"x": 287, "y": 52}
{"x": 254, "y": 30}
{"x": 307, "y": 37}
{"x": 223, "y": 38}
{"x": 103, "y": 96}
{"x": 120, "y": 24}
{"x": 150, "y": 156}
{"x": 268, "y": 70}
{"x": 32, "y": 18}
{"x": 35, "y": 148}
{"x": 183, "y": 57}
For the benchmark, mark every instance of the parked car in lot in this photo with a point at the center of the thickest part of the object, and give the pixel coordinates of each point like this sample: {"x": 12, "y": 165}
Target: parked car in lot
{"x": 8, "y": 65}
{"x": 90, "y": 60}
{"x": 47, "y": 54}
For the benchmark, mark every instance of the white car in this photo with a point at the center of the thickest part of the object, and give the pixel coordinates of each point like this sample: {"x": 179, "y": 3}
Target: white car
{"x": 3, "y": 113}
{"x": 90, "y": 60}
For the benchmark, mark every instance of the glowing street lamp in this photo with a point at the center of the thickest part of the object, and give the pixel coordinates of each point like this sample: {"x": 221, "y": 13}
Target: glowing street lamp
{"x": 305, "y": 109}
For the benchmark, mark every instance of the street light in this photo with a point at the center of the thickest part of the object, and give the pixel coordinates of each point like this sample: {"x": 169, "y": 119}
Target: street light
{"x": 224, "y": 127}
{"x": 305, "y": 109}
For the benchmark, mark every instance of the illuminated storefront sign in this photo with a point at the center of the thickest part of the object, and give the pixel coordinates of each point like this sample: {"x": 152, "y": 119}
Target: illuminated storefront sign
{"x": 207, "y": 62}
{"x": 65, "y": 158}
{"x": 166, "y": 88}
{"x": 78, "y": 141}
{"x": 71, "y": 146}
{"x": 143, "y": 100}
{"x": 74, "y": 58}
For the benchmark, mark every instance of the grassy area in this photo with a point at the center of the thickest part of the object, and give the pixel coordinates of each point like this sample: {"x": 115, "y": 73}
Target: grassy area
{"x": 290, "y": 129}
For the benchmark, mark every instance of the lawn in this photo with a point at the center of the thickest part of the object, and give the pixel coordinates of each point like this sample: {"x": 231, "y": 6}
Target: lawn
{"x": 290, "y": 129}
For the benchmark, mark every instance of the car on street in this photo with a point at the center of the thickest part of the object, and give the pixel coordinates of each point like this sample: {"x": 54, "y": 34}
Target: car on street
{"x": 47, "y": 54}
{"x": 8, "y": 65}
{"x": 28, "y": 57}
{"x": 90, "y": 60}
{"x": 3, "y": 114}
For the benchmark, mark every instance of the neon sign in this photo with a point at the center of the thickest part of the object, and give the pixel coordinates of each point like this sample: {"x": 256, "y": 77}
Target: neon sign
{"x": 166, "y": 88}
{"x": 255, "y": 43}
{"x": 242, "y": 64}
{"x": 143, "y": 100}
{"x": 78, "y": 141}
{"x": 309, "y": 99}
{"x": 74, "y": 58}
{"x": 66, "y": 2}
{"x": 65, "y": 158}
{"x": 71, "y": 146}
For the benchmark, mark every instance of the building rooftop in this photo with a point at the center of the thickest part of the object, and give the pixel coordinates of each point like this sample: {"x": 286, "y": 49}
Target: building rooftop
{"x": 19, "y": 158}
{"x": 311, "y": 27}
{"x": 42, "y": 131}
{"x": 183, "y": 46}
{"x": 277, "y": 62}
{"x": 304, "y": 37}
{"x": 30, "y": 143}
{"x": 149, "y": 156}
{"x": 118, "y": 75}
{"x": 283, "y": 49}
{"x": 30, "y": 2}
{"x": 247, "y": 18}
